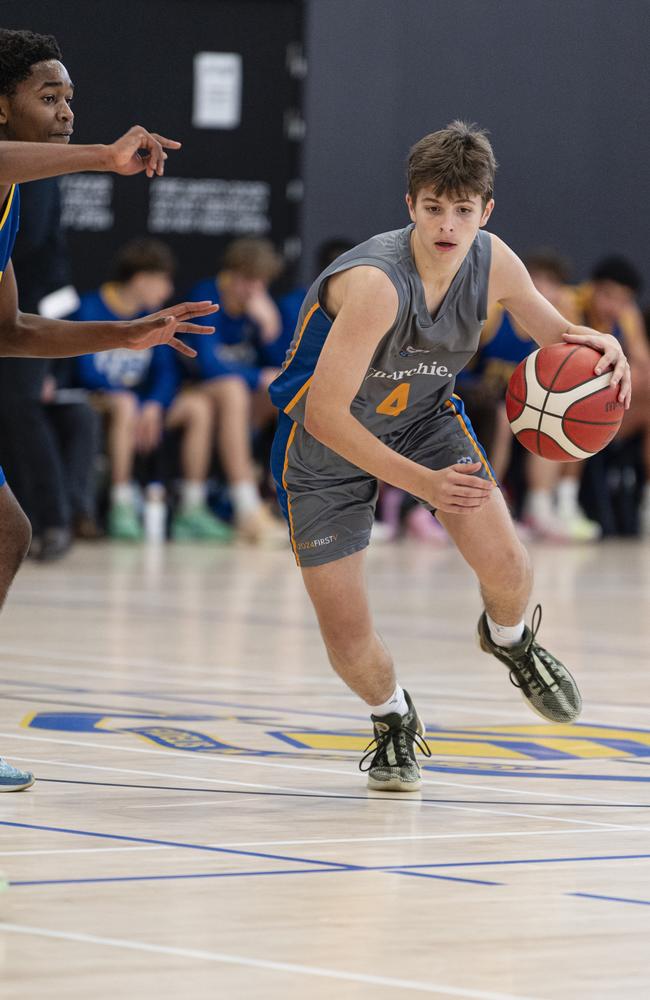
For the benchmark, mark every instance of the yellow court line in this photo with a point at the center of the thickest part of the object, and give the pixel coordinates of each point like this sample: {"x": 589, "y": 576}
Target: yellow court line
{"x": 284, "y": 483}
{"x": 9, "y": 202}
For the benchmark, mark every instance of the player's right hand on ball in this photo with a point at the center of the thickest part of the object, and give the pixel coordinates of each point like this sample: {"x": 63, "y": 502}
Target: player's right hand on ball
{"x": 138, "y": 150}
{"x": 162, "y": 327}
{"x": 456, "y": 490}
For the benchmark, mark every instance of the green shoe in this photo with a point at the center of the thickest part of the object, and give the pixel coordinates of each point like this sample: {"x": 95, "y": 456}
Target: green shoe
{"x": 123, "y": 523}
{"x": 393, "y": 767}
{"x": 199, "y": 524}
{"x": 545, "y": 683}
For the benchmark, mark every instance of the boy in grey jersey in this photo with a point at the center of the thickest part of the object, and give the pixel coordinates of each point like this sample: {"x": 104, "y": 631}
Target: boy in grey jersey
{"x": 366, "y": 394}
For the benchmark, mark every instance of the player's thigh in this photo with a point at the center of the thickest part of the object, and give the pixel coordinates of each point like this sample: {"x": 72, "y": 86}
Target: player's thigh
{"x": 487, "y": 540}
{"x": 328, "y": 503}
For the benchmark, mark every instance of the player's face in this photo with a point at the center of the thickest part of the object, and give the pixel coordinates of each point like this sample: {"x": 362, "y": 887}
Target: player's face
{"x": 610, "y": 300}
{"x": 39, "y": 110}
{"x": 447, "y": 225}
{"x": 151, "y": 289}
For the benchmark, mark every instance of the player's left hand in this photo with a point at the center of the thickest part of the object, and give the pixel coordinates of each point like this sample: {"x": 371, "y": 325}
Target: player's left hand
{"x": 162, "y": 327}
{"x": 613, "y": 357}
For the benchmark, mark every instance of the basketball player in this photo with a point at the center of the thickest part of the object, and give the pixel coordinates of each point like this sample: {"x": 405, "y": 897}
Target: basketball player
{"x": 366, "y": 394}
{"x": 35, "y": 128}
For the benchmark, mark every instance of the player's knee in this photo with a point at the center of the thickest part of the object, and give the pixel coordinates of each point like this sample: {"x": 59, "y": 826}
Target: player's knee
{"x": 124, "y": 407}
{"x": 198, "y": 410}
{"x": 234, "y": 392}
{"x": 346, "y": 639}
{"x": 511, "y": 569}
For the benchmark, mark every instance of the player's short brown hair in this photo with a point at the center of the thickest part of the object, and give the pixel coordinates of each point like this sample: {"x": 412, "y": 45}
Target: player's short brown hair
{"x": 253, "y": 257}
{"x": 457, "y": 160}
{"x": 141, "y": 255}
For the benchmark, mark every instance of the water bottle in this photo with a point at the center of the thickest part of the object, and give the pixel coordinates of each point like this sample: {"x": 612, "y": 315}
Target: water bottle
{"x": 155, "y": 513}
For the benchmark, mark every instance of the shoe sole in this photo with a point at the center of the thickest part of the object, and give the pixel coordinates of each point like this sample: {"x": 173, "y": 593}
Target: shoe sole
{"x": 396, "y": 784}
{"x": 17, "y": 788}
{"x": 546, "y": 718}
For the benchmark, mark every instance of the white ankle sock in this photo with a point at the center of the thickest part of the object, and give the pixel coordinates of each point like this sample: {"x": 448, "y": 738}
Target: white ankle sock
{"x": 122, "y": 493}
{"x": 396, "y": 703}
{"x": 567, "y": 498}
{"x": 245, "y": 498}
{"x": 505, "y": 635}
{"x": 193, "y": 493}
{"x": 539, "y": 505}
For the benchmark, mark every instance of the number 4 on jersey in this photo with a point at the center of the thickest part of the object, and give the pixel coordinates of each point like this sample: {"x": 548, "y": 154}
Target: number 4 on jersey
{"x": 396, "y": 401}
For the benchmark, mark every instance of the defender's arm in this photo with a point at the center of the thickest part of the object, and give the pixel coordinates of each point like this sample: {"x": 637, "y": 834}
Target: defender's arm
{"x": 368, "y": 310}
{"x": 511, "y": 285}
{"x": 25, "y": 336}
{"x": 136, "y": 151}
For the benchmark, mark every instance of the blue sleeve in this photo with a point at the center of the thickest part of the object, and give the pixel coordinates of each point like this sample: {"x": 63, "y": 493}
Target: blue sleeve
{"x": 164, "y": 377}
{"x": 88, "y": 375}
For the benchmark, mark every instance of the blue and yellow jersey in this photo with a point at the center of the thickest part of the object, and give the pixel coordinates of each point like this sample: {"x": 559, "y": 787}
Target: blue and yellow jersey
{"x": 9, "y": 218}
{"x": 583, "y": 300}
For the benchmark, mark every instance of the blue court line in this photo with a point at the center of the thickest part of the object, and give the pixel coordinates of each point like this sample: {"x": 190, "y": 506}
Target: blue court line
{"x": 445, "y": 878}
{"x": 212, "y": 875}
{"x": 174, "y": 843}
{"x": 610, "y": 899}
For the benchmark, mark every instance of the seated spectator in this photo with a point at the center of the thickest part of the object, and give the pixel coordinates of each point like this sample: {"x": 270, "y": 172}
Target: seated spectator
{"x": 551, "y": 508}
{"x": 233, "y": 370}
{"x": 608, "y": 304}
{"x": 136, "y": 391}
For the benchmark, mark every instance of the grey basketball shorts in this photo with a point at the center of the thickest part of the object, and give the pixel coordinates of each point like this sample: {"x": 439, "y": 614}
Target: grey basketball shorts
{"x": 329, "y": 504}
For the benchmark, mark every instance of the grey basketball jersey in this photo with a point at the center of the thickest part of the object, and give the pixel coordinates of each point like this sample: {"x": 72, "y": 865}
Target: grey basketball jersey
{"x": 414, "y": 367}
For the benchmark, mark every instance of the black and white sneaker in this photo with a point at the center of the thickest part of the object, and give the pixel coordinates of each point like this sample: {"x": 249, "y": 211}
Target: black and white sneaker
{"x": 392, "y": 766}
{"x": 545, "y": 683}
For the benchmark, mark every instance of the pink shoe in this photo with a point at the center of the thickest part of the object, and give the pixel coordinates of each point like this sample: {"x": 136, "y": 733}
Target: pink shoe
{"x": 421, "y": 524}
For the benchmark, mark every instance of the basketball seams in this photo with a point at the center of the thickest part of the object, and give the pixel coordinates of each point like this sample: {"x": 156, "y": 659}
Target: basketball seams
{"x": 550, "y": 389}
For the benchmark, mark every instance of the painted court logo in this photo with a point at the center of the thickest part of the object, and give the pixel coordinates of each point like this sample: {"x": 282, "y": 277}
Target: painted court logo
{"x": 535, "y": 751}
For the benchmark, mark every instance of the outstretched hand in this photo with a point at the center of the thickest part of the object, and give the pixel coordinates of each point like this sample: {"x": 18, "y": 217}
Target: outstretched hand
{"x": 162, "y": 327}
{"x": 138, "y": 150}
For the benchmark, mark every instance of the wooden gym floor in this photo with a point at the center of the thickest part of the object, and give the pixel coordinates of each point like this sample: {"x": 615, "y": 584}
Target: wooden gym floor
{"x": 199, "y": 826}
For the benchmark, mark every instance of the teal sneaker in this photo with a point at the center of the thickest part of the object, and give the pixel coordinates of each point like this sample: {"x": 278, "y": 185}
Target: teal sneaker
{"x": 393, "y": 767}
{"x": 13, "y": 780}
{"x": 123, "y": 523}
{"x": 199, "y": 524}
{"x": 544, "y": 682}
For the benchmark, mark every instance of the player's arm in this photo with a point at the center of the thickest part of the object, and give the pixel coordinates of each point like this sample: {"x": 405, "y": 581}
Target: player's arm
{"x": 368, "y": 311}
{"x": 134, "y": 152}
{"x": 511, "y": 285}
{"x": 25, "y": 336}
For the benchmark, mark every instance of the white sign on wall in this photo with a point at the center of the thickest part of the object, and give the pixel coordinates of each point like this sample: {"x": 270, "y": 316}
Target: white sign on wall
{"x": 217, "y": 90}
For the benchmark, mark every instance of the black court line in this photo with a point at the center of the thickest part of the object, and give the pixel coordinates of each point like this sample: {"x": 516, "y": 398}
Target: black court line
{"x": 387, "y": 797}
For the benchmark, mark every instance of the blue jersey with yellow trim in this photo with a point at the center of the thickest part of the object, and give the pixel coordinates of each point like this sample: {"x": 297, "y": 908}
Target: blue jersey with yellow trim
{"x": 9, "y": 219}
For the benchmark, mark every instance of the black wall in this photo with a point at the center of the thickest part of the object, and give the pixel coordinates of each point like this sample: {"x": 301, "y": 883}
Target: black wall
{"x": 562, "y": 85}
{"x": 132, "y": 63}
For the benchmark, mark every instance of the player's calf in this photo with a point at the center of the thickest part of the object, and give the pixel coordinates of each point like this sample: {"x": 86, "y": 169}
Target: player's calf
{"x": 15, "y": 539}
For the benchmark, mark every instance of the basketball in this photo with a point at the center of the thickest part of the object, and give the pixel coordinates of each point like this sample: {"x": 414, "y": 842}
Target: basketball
{"x": 559, "y": 408}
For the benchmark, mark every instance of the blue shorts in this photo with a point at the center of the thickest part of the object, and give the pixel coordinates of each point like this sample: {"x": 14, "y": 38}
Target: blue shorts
{"x": 2, "y": 477}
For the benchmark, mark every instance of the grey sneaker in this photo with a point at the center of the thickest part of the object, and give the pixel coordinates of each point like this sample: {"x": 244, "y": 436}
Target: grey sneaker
{"x": 13, "y": 780}
{"x": 393, "y": 767}
{"x": 545, "y": 683}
